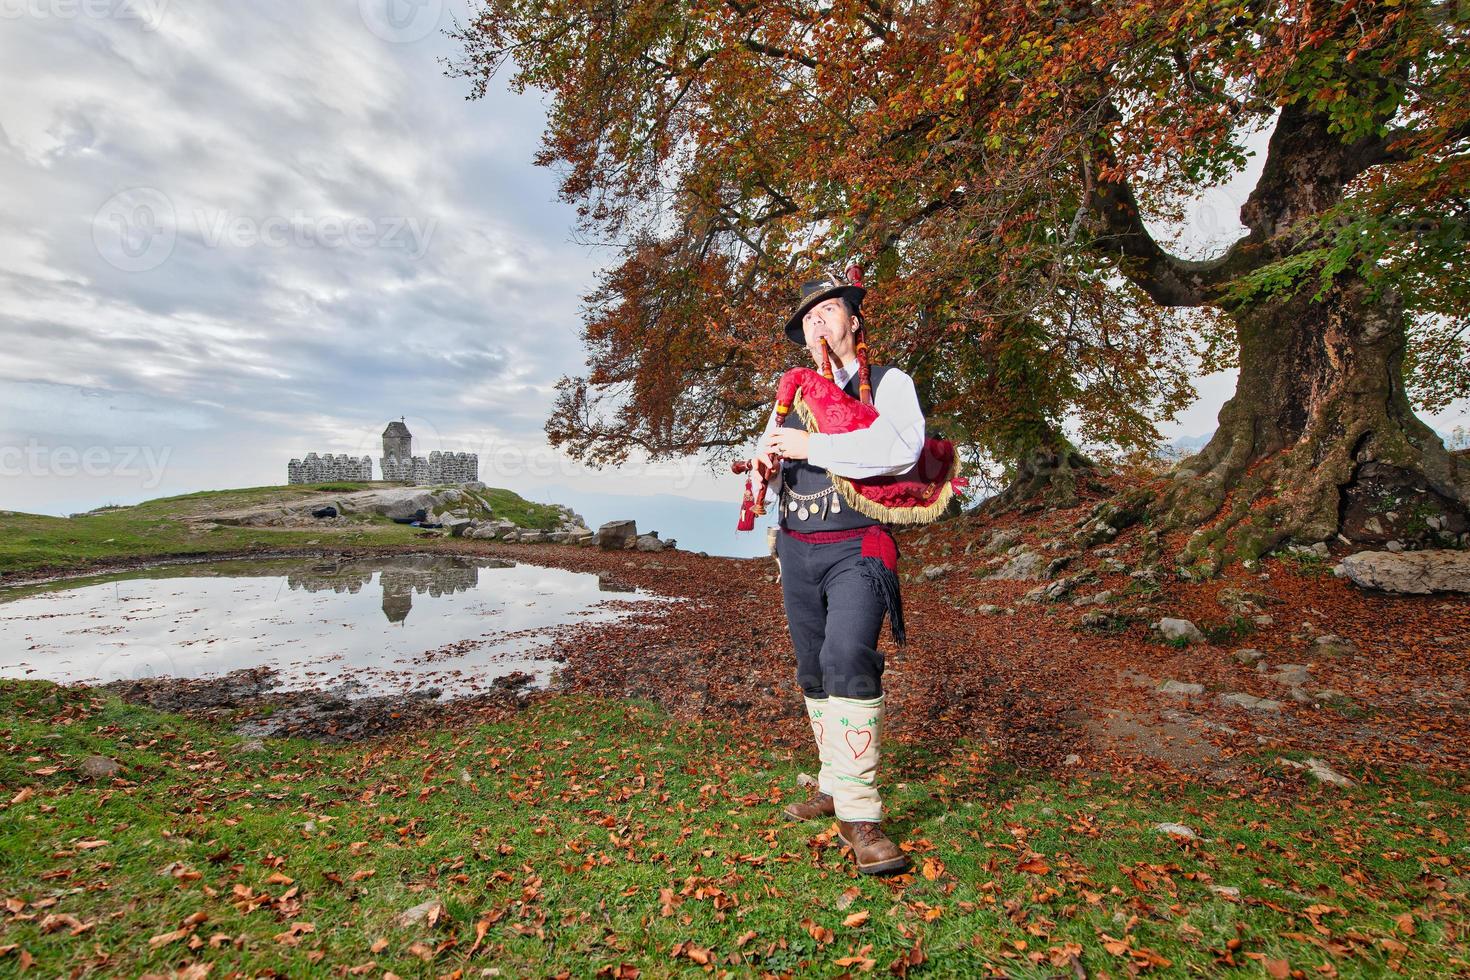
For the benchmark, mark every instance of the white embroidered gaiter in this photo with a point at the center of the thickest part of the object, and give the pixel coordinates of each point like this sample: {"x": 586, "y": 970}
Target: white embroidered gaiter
{"x": 816, "y": 711}
{"x": 854, "y": 731}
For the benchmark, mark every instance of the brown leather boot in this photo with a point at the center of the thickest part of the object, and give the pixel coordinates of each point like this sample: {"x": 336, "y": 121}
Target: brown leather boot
{"x": 874, "y": 852}
{"x": 816, "y": 808}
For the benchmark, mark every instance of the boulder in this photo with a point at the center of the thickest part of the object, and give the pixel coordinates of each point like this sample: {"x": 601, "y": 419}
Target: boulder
{"x": 648, "y": 542}
{"x": 1291, "y": 675}
{"x": 1408, "y": 572}
{"x": 1249, "y": 656}
{"x": 617, "y": 535}
{"x": 1025, "y": 565}
{"x": 1180, "y": 629}
{"x": 457, "y": 526}
{"x": 412, "y": 507}
{"x": 1180, "y": 687}
{"x": 1002, "y": 541}
{"x": 1056, "y": 565}
{"x": 1051, "y": 592}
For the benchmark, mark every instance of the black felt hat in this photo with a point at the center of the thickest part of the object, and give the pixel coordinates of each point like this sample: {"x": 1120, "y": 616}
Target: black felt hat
{"x": 815, "y": 291}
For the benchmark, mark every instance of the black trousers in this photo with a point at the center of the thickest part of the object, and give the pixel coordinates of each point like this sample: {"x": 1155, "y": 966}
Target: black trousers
{"x": 834, "y": 616}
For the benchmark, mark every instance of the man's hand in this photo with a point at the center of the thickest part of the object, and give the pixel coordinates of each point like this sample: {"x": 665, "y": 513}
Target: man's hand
{"x": 790, "y": 443}
{"x": 764, "y": 460}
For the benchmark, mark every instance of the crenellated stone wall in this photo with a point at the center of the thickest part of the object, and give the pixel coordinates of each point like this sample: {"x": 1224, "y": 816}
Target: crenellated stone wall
{"x": 328, "y": 468}
{"x": 436, "y": 469}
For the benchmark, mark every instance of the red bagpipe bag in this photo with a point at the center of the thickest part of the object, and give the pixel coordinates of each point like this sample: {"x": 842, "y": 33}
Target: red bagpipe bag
{"x": 915, "y": 497}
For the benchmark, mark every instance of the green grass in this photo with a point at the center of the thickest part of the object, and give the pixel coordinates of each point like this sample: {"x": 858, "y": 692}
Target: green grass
{"x": 585, "y": 834}
{"x": 30, "y": 542}
{"x": 1232, "y": 630}
{"x": 511, "y": 506}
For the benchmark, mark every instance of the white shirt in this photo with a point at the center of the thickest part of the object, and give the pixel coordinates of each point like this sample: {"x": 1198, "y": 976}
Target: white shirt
{"x": 888, "y": 447}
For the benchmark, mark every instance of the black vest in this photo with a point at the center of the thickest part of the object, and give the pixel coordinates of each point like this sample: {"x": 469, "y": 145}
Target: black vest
{"x": 801, "y": 477}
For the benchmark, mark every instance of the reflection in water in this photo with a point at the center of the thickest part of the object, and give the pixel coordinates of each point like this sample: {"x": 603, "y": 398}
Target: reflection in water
{"x": 400, "y": 577}
{"x": 320, "y": 623}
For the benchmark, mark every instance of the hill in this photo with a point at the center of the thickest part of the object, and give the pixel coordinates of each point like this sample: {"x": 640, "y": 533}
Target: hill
{"x": 208, "y": 523}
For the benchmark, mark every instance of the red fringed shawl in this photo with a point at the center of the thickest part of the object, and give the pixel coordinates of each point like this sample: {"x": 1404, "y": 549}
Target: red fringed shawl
{"x": 916, "y": 497}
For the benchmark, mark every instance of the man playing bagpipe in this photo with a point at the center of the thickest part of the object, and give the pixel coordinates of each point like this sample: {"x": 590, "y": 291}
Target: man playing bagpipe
{"x": 852, "y": 458}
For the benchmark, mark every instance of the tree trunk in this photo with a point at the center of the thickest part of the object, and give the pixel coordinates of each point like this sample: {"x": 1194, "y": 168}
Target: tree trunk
{"x": 1319, "y": 438}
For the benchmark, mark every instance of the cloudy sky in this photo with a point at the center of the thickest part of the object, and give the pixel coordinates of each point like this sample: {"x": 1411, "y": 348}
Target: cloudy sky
{"x": 234, "y": 233}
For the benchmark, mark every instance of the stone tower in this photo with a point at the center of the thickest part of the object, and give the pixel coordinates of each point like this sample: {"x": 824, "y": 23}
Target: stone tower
{"x": 397, "y": 441}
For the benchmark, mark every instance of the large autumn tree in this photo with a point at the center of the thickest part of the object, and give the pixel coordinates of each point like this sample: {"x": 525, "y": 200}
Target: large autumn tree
{"x": 1000, "y": 171}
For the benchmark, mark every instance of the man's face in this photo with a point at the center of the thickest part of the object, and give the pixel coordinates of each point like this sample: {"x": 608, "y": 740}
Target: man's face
{"x": 828, "y": 319}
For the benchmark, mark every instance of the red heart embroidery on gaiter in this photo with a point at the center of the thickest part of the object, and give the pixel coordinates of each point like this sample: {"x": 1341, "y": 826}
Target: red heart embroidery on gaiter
{"x": 866, "y": 738}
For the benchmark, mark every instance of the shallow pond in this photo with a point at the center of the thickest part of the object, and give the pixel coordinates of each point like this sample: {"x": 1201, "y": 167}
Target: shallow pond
{"x": 361, "y": 625}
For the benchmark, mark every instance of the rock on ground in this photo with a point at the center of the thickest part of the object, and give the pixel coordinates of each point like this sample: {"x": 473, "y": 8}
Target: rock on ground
{"x": 1291, "y": 675}
{"x": 1180, "y": 629}
{"x": 1176, "y": 830}
{"x": 617, "y": 535}
{"x": 1320, "y": 771}
{"x": 1001, "y": 541}
{"x": 1330, "y": 645}
{"x": 1022, "y": 566}
{"x": 1408, "y": 572}
{"x": 100, "y": 767}
{"x": 424, "y": 911}
{"x": 1250, "y": 702}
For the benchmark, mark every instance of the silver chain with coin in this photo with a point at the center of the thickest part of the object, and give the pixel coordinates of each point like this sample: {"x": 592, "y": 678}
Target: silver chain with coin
{"x": 806, "y": 505}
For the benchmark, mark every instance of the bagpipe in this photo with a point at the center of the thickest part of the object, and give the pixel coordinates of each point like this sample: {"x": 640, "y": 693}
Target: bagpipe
{"x": 916, "y": 497}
